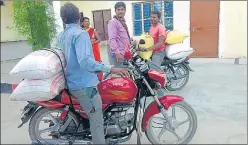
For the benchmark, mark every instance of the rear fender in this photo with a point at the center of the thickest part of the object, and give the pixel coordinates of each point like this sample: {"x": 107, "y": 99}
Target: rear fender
{"x": 153, "y": 109}
{"x": 51, "y": 104}
{"x": 186, "y": 64}
{"x": 28, "y": 112}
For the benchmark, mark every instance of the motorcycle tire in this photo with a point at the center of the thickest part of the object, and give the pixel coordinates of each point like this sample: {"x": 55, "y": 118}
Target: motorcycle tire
{"x": 193, "y": 116}
{"x": 36, "y": 117}
{"x": 170, "y": 88}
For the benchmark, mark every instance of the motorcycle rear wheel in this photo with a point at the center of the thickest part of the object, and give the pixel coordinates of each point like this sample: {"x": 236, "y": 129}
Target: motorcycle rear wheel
{"x": 185, "y": 80}
{"x": 35, "y": 133}
{"x": 188, "y": 135}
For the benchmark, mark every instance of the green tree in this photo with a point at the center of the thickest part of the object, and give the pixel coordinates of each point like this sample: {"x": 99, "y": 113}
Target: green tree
{"x": 35, "y": 20}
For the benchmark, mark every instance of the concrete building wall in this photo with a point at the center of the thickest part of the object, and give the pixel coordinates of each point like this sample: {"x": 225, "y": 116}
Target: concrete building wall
{"x": 181, "y": 11}
{"x": 233, "y": 29}
{"x": 13, "y": 45}
{"x": 88, "y": 6}
{"x": 8, "y": 32}
{"x": 14, "y": 50}
{"x": 232, "y": 32}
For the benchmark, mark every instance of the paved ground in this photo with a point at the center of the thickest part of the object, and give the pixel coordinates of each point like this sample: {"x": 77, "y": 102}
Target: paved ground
{"x": 216, "y": 90}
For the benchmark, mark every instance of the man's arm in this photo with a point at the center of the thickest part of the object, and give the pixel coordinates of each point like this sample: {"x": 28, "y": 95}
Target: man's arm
{"x": 112, "y": 34}
{"x": 161, "y": 38}
{"x": 85, "y": 57}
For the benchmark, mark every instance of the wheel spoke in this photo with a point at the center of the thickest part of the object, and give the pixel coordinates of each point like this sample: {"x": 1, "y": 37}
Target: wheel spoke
{"x": 182, "y": 122}
{"x": 44, "y": 130}
{"x": 173, "y": 112}
{"x": 53, "y": 119}
{"x": 46, "y": 120}
{"x": 157, "y": 123}
{"x": 156, "y": 127}
{"x": 69, "y": 120}
{"x": 175, "y": 134}
{"x": 162, "y": 131}
{"x": 159, "y": 118}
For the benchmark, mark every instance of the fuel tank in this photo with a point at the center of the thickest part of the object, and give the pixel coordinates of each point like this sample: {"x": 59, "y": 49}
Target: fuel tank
{"x": 117, "y": 90}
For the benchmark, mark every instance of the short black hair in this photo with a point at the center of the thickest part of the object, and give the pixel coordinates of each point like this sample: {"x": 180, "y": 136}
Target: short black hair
{"x": 69, "y": 13}
{"x": 81, "y": 16}
{"x": 120, "y": 4}
{"x": 157, "y": 13}
{"x": 86, "y": 18}
{"x": 1, "y": 3}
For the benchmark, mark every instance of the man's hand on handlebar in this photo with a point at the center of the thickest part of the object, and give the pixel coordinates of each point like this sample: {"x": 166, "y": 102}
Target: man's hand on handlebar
{"x": 120, "y": 71}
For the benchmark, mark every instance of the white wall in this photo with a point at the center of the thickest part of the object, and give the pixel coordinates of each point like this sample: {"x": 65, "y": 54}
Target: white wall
{"x": 129, "y": 17}
{"x": 233, "y": 29}
{"x": 56, "y": 9}
{"x": 181, "y": 16}
{"x": 8, "y": 31}
{"x": 181, "y": 10}
{"x": 222, "y": 28}
{"x": 88, "y": 6}
{"x": 232, "y": 26}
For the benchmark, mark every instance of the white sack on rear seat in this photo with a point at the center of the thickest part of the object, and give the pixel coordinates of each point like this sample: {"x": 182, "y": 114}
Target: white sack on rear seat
{"x": 177, "y": 51}
{"x": 38, "y": 90}
{"x": 41, "y": 64}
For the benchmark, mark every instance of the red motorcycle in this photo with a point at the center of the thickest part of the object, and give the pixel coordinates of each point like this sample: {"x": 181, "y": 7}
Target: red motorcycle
{"x": 122, "y": 110}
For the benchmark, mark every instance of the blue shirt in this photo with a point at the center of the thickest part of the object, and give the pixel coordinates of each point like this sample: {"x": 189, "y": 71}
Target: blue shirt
{"x": 81, "y": 67}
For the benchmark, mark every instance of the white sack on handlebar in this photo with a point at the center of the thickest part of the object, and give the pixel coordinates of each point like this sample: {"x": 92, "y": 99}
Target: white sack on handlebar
{"x": 38, "y": 90}
{"x": 177, "y": 51}
{"x": 41, "y": 64}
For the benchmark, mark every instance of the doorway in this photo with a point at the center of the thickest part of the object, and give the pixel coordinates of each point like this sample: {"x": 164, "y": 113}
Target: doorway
{"x": 101, "y": 19}
{"x": 204, "y": 28}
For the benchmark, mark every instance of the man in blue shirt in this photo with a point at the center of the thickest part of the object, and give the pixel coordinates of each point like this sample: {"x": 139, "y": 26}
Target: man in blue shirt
{"x": 82, "y": 69}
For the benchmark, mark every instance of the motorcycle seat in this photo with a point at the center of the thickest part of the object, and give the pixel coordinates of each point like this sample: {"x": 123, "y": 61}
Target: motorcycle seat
{"x": 66, "y": 100}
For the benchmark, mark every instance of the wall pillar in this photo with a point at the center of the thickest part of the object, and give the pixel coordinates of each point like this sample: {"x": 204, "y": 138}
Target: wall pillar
{"x": 58, "y": 21}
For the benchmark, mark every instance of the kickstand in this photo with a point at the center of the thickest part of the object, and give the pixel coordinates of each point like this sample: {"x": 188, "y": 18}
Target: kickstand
{"x": 138, "y": 139}
{"x": 139, "y": 135}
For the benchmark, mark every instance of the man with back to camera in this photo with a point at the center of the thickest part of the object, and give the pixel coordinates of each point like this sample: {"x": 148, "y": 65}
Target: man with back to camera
{"x": 158, "y": 32}
{"x": 82, "y": 69}
{"x": 118, "y": 36}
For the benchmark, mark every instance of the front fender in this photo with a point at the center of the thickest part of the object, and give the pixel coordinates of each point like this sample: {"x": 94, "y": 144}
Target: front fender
{"x": 152, "y": 109}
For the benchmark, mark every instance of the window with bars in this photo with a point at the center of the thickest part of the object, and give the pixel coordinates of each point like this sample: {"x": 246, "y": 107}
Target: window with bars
{"x": 142, "y": 13}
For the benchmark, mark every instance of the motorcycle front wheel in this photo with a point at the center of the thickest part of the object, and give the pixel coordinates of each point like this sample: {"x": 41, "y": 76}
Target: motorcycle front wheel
{"x": 165, "y": 132}
{"x": 177, "y": 84}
